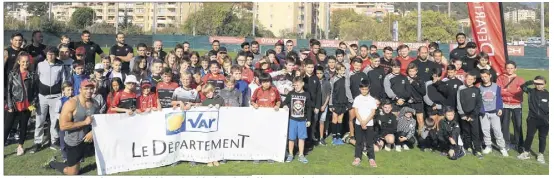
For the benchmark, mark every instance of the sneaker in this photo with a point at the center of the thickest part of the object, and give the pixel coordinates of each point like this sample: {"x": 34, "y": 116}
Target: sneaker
{"x": 462, "y": 155}
{"x": 469, "y": 150}
{"x": 398, "y": 148}
{"x": 216, "y": 163}
{"x": 540, "y": 158}
{"x": 256, "y": 161}
{"x": 523, "y": 156}
{"x": 405, "y": 147}
{"x": 504, "y": 152}
{"x": 356, "y": 162}
{"x": 302, "y": 159}
{"x": 322, "y": 142}
{"x": 289, "y": 158}
{"x": 35, "y": 148}
{"x": 487, "y": 150}
{"x": 47, "y": 164}
{"x": 387, "y": 148}
{"x": 372, "y": 163}
{"x": 54, "y": 147}
{"x": 20, "y": 151}
{"x": 479, "y": 155}
{"x": 210, "y": 164}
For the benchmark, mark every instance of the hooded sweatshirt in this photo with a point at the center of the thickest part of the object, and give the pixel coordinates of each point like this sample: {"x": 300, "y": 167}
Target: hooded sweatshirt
{"x": 469, "y": 101}
{"x": 538, "y": 101}
{"x": 406, "y": 125}
{"x": 449, "y": 128}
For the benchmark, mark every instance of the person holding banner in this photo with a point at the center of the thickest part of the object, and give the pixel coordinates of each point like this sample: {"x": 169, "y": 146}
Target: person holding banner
{"x": 75, "y": 120}
{"x": 300, "y": 103}
{"x": 126, "y": 100}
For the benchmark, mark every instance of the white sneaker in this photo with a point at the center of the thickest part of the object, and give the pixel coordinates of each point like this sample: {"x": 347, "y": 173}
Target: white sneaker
{"x": 540, "y": 158}
{"x": 487, "y": 150}
{"x": 523, "y": 156}
{"x": 398, "y": 148}
{"x": 405, "y": 147}
{"x": 387, "y": 148}
{"x": 504, "y": 152}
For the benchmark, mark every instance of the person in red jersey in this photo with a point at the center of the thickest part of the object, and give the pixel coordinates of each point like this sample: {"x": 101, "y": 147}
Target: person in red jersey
{"x": 404, "y": 58}
{"x": 165, "y": 89}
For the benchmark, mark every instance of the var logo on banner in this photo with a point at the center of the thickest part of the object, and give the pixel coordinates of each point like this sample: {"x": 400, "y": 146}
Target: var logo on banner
{"x": 191, "y": 121}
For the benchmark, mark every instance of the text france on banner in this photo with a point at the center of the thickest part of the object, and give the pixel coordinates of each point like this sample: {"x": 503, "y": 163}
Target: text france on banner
{"x": 126, "y": 143}
{"x": 486, "y": 22}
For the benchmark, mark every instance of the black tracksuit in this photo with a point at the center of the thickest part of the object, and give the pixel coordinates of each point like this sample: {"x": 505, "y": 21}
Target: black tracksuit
{"x": 339, "y": 99}
{"x": 538, "y": 116}
{"x": 448, "y": 129}
{"x": 355, "y": 80}
{"x": 477, "y": 72}
{"x": 449, "y": 89}
{"x": 433, "y": 97}
{"x": 376, "y": 77}
{"x": 458, "y": 53}
{"x": 386, "y": 124}
{"x": 469, "y": 63}
{"x": 397, "y": 87}
{"x": 469, "y": 105}
{"x": 424, "y": 68}
{"x": 312, "y": 86}
{"x": 416, "y": 94}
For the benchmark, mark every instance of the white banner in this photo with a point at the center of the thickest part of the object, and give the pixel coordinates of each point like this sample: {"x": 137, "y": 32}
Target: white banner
{"x": 125, "y": 143}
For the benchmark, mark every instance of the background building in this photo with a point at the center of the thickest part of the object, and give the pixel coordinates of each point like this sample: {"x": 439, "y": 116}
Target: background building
{"x": 168, "y": 14}
{"x": 520, "y": 14}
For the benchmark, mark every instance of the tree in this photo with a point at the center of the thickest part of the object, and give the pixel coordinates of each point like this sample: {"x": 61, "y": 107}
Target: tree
{"x": 101, "y": 28}
{"x": 435, "y": 26}
{"x": 11, "y": 23}
{"x": 82, "y": 17}
{"x": 37, "y": 8}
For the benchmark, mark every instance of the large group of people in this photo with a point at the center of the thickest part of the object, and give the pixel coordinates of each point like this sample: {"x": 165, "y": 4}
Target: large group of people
{"x": 452, "y": 106}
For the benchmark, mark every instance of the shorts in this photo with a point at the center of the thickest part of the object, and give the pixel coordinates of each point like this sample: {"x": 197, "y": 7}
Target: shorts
{"x": 430, "y": 112}
{"x": 76, "y": 153}
{"x": 418, "y": 107}
{"x": 396, "y": 108}
{"x": 340, "y": 109}
{"x": 323, "y": 115}
{"x": 297, "y": 130}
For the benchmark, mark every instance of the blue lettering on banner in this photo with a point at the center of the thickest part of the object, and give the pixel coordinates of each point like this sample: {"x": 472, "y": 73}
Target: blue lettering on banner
{"x": 202, "y": 121}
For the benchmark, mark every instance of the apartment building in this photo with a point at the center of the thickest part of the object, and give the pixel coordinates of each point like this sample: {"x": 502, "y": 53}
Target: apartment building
{"x": 372, "y": 9}
{"x": 167, "y": 14}
{"x": 519, "y": 15}
{"x": 302, "y": 18}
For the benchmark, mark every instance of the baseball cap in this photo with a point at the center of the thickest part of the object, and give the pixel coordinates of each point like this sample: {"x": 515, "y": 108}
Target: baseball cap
{"x": 80, "y": 50}
{"x": 86, "y": 83}
{"x": 471, "y": 44}
{"x": 145, "y": 83}
{"x": 131, "y": 79}
{"x": 99, "y": 67}
{"x": 222, "y": 50}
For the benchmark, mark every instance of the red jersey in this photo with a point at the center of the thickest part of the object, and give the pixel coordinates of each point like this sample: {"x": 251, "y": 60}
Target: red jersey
{"x": 461, "y": 75}
{"x": 266, "y": 98}
{"x": 365, "y": 62}
{"x": 247, "y": 75}
{"x": 218, "y": 81}
{"x": 164, "y": 92}
{"x": 125, "y": 100}
{"x": 404, "y": 64}
{"x": 109, "y": 101}
{"x": 145, "y": 102}
{"x": 511, "y": 94}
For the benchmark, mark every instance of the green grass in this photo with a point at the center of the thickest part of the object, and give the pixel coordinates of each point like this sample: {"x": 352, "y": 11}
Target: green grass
{"x": 335, "y": 160}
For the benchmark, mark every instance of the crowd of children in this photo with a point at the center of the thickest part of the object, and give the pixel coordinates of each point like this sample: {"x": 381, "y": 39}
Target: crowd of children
{"x": 388, "y": 103}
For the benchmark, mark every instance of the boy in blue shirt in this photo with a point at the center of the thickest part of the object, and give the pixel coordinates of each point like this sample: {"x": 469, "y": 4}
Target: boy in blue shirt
{"x": 241, "y": 85}
{"x": 78, "y": 76}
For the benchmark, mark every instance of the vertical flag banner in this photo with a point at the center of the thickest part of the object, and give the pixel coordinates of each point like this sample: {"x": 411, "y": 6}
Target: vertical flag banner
{"x": 487, "y": 22}
{"x": 395, "y": 31}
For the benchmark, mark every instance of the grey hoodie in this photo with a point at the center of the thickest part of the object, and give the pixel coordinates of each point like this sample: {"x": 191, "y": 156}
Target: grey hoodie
{"x": 406, "y": 125}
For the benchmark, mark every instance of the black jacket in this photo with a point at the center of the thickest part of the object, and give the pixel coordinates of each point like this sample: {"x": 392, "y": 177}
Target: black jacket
{"x": 338, "y": 97}
{"x": 312, "y": 86}
{"x": 458, "y": 53}
{"x": 432, "y": 95}
{"x": 538, "y": 101}
{"x": 417, "y": 90}
{"x": 469, "y": 101}
{"x": 424, "y": 69}
{"x": 469, "y": 63}
{"x": 15, "y": 88}
{"x": 449, "y": 128}
{"x": 387, "y": 124}
{"x": 103, "y": 86}
{"x": 355, "y": 81}
{"x": 449, "y": 89}
{"x": 397, "y": 87}
{"x": 376, "y": 77}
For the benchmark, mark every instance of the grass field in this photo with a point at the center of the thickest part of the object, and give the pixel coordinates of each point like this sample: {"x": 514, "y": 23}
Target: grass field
{"x": 335, "y": 160}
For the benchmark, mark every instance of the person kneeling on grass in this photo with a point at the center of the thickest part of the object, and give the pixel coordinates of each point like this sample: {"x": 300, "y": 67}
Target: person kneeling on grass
{"x": 449, "y": 134}
{"x": 364, "y": 106}
{"x": 298, "y": 123}
{"x": 406, "y": 129}
{"x": 387, "y": 126}
{"x": 212, "y": 100}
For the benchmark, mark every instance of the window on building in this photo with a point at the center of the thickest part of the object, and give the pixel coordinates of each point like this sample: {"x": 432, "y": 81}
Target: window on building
{"x": 130, "y": 10}
{"x": 99, "y": 18}
{"x": 111, "y": 4}
{"x": 139, "y": 3}
{"x": 171, "y": 25}
{"x": 161, "y": 18}
{"x": 171, "y": 3}
{"x": 140, "y": 18}
{"x": 111, "y": 17}
{"x": 172, "y": 10}
{"x": 161, "y": 25}
{"x": 140, "y": 10}
{"x": 171, "y": 17}
{"x": 99, "y": 11}
{"x": 111, "y": 10}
